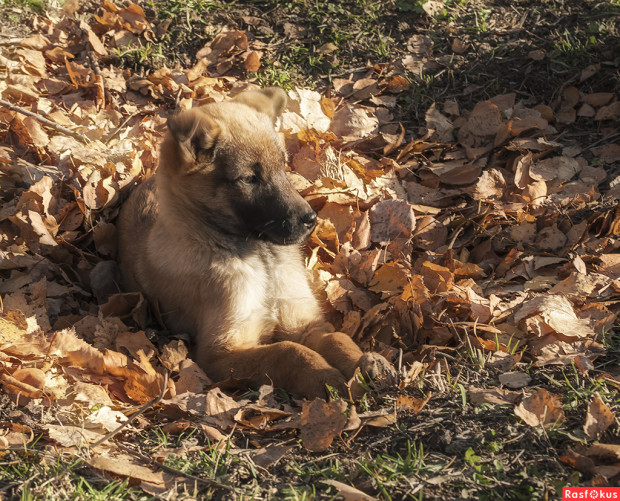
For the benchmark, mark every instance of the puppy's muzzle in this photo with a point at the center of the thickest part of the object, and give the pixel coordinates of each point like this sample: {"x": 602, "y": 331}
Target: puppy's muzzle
{"x": 309, "y": 220}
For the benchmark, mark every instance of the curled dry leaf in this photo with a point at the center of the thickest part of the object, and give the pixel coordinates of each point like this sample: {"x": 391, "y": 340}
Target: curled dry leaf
{"x": 491, "y": 184}
{"x": 557, "y": 169}
{"x": 577, "y": 461}
{"x": 515, "y": 380}
{"x": 541, "y": 408}
{"x": 72, "y": 436}
{"x": 191, "y": 378}
{"x": 390, "y": 279}
{"x": 14, "y": 435}
{"x": 348, "y": 492}
{"x": 557, "y": 313}
{"x": 551, "y": 238}
{"x": 391, "y": 219}
{"x": 444, "y": 130}
{"x": 604, "y": 451}
{"x": 485, "y": 119}
{"x": 498, "y": 396}
{"x": 215, "y": 407}
{"x": 411, "y": 404}
{"x": 126, "y": 467}
{"x": 304, "y": 111}
{"x": 430, "y": 234}
{"x": 598, "y": 419}
{"x": 269, "y": 456}
{"x": 353, "y": 123}
{"x": 105, "y": 418}
{"x": 321, "y": 422}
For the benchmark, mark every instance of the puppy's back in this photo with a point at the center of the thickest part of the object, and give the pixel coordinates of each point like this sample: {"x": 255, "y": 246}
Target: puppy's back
{"x": 135, "y": 221}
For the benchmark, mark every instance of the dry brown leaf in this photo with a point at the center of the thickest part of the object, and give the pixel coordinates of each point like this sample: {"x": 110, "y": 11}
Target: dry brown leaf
{"x": 610, "y": 153}
{"x": 610, "y": 112}
{"x": 598, "y": 419}
{"x": 321, "y": 422}
{"x": 515, "y": 380}
{"x": 72, "y": 436}
{"x": 485, "y": 119}
{"x": 536, "y": 55}
{"x": 398, "y": 84}
{"x": 604, "y": 451}
{"x": 216, "y": 407}
{"x": 458, "y": 46}
{"x": 430, "y": 234}
{"x": 258, "y": 417}
{"x": 269, "y": 456}
{"x": 126, "y": 467}
{"x": 390, "y": 279}
{"x": 304, "y": 111}
{"x": 137, "y": 344}
{"x": 502, "y": 361}
{"x": 91, "y": 394}
{"x": 14, "y": 435}
{"x": 252, "y": 61}
{"x": 437, "y": 278}
{"x": 411, "y": 404}
{"x": 598, "y": 99}
{"x": 558, "y": 169}
{"x": 380, "y": 418}
{"x": 491, "y": 184}
{"x": 551, "y": 239}
{"x": 541, "y": 408}
{"x": 497, "y": 396}
{"x": 444, "y": 129}
{"x": 391, "y": 219}
{"x": 354, "y": 122}
{"x": 535, "y": 193}
{"x": 577, "y": 461}
{"x": 191, "y": 378}
{"x": 173, "y": 354}
{"x": 557, "y": 313}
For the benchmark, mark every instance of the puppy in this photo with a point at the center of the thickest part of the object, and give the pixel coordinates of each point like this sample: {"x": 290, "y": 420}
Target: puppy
{"x": 213, "y": 240}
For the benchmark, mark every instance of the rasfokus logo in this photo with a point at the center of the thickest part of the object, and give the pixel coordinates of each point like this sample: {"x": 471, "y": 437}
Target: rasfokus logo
{"x": 591, "y": 493}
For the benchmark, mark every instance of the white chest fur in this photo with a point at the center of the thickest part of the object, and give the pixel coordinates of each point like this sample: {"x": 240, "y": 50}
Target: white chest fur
{"x": 250, "y": 306}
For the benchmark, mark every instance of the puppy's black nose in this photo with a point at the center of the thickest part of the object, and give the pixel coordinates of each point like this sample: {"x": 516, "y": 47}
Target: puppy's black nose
{"x": 309, "y": 219}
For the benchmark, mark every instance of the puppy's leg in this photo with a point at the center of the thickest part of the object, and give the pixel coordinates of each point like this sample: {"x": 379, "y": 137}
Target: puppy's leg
{"x": 342, "y": 352}
{"x": 286, "y": 364}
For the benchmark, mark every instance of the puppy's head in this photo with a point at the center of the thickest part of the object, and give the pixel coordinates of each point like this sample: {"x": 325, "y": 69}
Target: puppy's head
{"x": 223, "y": 166}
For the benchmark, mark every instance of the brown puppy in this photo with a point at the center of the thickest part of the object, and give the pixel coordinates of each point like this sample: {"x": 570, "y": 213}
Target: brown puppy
{"x": 212, "y": 240}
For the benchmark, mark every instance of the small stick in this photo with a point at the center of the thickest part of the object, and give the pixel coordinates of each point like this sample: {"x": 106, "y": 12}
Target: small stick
{"x": 97, "y": 70}
{"x": 141, "y": 411}
{"x": 44, "y": 121}
{"x": 113, "y": 133}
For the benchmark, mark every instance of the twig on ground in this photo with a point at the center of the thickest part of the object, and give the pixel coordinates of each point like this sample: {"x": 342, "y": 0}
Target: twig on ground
{"x": 44, "y": 121}
{"x": 95, "y": 65}
{"x": 140, "y": 411}
{"x": 602, "y": 140}
{"x": 113, "y": 133}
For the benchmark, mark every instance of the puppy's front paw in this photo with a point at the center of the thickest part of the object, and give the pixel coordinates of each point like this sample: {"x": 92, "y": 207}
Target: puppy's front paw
{"x": 314, "y": 385}
{"x": 377, "y": 368}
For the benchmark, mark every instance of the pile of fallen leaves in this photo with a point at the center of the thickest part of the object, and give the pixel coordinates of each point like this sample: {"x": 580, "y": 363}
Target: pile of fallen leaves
{"x": 477, "y": 232}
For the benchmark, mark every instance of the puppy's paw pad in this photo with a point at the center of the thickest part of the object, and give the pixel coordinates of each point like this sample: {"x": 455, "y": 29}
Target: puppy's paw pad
{"x": 377, "y": 368}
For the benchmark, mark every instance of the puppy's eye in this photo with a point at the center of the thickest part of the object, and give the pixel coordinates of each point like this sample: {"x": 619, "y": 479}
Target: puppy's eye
{"x": 249, "y": 180}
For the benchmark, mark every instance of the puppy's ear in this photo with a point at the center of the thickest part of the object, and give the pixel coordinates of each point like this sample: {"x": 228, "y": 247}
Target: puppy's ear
{"x": 270, "y": 101}
{"x": 195, "y": 133}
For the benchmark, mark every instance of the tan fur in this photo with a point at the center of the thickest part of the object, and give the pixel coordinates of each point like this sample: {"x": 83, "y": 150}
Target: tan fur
{"x": 240, "y": 291}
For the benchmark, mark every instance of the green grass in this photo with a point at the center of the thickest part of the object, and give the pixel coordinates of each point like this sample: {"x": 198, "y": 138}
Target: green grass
{"x": 35, "y": 6}
{"x": 34, "y": 475}
{"x": 142, "y": 54}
